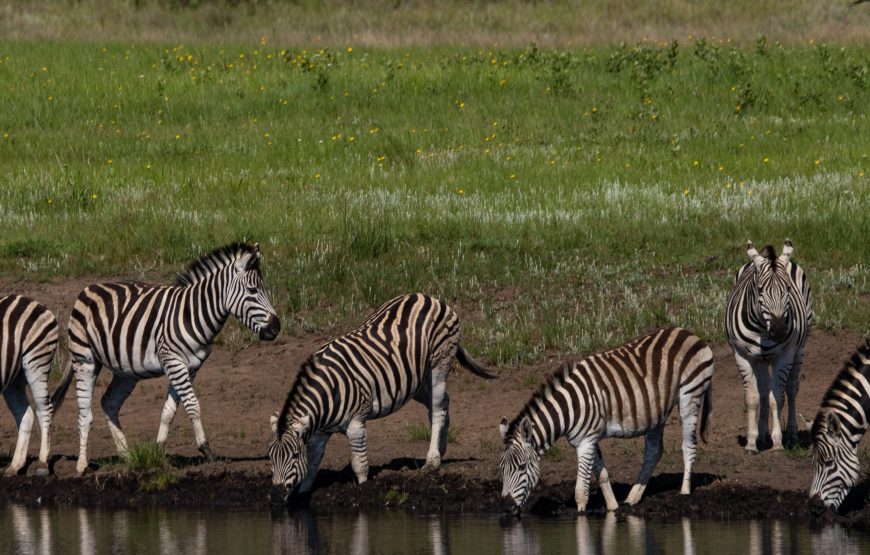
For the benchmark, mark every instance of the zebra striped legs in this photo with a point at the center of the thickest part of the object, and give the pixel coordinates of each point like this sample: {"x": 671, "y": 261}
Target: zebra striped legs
{"x": 437, "y": 402}
{"x": 652, "y": 453}
{"x": 86, "y": 373}
{"x": 690, "y": 405}
{"x": 16, "y": 399}
{"x": 604, "y": 481}
{"x": 756, "y": 386}
{"x": 118, "y": 391}
{"x": 786, "y": 374}
{"x": 792, "y": 387}
{"x": 181, "y": 379}
{"x": 170, "y": 407}
{"x": 316, "y": 446}
{"x": 359, "y": 458}
{"x": 587, "y": 451}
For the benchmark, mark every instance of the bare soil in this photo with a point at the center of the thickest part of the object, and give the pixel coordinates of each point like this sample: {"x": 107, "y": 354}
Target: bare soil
{"x": 243, "y": 383}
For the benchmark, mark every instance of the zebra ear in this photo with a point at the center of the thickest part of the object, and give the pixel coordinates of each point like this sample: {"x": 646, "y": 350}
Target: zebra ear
{"x": 753, "y": 255}
{"x": 835, "y": 427}
{"x": 248, "y": 261}
{"x": 807, "y": 424}
{"x": 526, "y": 429}
{"x": 787, "y": 249}
{"x": 273, "y": 422}
{"x": 301, "y": 426}
{"x": 503, "y": 428}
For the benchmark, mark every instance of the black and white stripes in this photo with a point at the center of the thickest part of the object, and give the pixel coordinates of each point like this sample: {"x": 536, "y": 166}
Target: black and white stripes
{"x": 403, "y": 351}
{"x": 28, "y": 341}
{"x": 142, "y": 331}
{"x": 624, "y": 392}
{"x": 837, "y": 430}
{"x": 767, "y": 320}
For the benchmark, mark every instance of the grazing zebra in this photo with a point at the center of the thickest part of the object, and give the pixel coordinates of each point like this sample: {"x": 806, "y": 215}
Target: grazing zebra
{"x": 403, "y": 351}
{"x": 624, "y": 392}
{"x": 840, "y": 424}
{"x": 143, "y": 331}
{"x": 767, "y": 321}
{"x": 28, "y": 341}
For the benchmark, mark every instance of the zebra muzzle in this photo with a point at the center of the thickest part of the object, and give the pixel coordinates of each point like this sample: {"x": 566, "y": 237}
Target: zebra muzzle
{"x": 817, "y": 506}
{"x": 279, "y": 495}
{"x": 509, "y": 506}
{"x": 270, "y": 331}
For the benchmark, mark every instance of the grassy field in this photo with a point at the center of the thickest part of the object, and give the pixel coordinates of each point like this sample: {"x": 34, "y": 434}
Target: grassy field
{"x": 563, "y": 199}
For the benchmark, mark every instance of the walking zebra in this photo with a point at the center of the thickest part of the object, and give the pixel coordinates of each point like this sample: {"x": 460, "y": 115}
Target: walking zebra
{"x": 403, "y": 351}
{"x": 28, "y": 341}
{"x": 624, "y": 392}
{"x": 143, "y": 331}
{"x": 840, "y": 424}
{"x": 767, "y": 321}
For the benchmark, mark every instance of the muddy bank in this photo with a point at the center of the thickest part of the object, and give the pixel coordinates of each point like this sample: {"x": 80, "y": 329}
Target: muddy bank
{"x": 214, "y": 486}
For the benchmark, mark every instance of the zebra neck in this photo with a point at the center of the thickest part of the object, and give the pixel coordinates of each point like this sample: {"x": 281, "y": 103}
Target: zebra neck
{"x": 206, "y": 297}
{"x": 544, "y": 433}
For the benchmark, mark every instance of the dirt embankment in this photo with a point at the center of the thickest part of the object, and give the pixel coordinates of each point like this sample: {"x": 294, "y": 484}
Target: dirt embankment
{"x": 239, "y": 388}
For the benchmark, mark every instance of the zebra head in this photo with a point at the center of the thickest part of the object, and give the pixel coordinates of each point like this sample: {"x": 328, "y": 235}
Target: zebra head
{"x": 288, "y": 456}
{"x": 248, "y": 299}
{"x": 519, "y": 465}
{"x": 773, "y": 288}
{"x": 835, "y": 463}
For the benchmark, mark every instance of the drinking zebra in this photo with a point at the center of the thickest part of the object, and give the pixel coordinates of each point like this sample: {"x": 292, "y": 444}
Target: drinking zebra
{"x": 142, "y": 331}
{"x": 767, "y": 320}
{"x": 837, "y": 430}
{"x": 28, "y": 341}
{"x": 402, "y": 351}
{"x": 624, "y": 392}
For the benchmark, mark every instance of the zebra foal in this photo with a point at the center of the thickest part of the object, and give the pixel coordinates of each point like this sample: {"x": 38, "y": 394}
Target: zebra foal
{"x": 837, "y": 430}
{"x": 403, "y": 351}
{"x": 28, "y": 341}
{"x": 142, "y": 331}
{"x": 624, "y": 392}
{"x": 767, "y": 320}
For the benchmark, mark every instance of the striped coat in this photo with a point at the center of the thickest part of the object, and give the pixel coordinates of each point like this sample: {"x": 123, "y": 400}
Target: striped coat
{"x": 624, "y": 392}
{"x": 401, "y": 352}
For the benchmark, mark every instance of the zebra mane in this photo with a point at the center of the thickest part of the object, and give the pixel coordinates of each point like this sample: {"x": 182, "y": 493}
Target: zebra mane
{"x": 552, "y": 382}
{"x": 210, "y": 263}
{"x": 298, "y": 384}
{"x": 852, "y": 364}
{"x": 769, "y": 252}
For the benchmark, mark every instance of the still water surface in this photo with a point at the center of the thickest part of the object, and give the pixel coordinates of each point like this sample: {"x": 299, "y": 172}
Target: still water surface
{"x": 69, "y": 530}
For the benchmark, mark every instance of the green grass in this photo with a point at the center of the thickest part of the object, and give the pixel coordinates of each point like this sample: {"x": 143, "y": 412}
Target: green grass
{"x": 145, "y": 457}
{"x": 561, "y": 200}
{"x": 420, "y": 432}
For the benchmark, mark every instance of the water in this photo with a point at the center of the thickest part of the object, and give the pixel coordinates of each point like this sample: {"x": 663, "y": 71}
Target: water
{"x": 69, "y": 530}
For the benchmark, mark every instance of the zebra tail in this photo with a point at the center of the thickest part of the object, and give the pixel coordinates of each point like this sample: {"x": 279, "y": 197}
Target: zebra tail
{"x": 706, "y": 411}
{"x": 60, "y": 393}
{"x": 469, "y": 363}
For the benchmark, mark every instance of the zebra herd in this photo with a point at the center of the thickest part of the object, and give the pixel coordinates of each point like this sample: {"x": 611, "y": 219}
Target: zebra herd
{"x": 405, "y": 350}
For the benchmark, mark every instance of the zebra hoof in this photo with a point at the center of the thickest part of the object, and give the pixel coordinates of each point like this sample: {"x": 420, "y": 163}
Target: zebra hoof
{"x": 42, "y": 471}
{"x": 206, "y": 452}
{"x": 431, "y": 467}
{"x": 11, "y": 471}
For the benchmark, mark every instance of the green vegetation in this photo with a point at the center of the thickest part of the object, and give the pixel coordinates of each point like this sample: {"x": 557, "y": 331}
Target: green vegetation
{"x": 561, "y": 200}
{"x": 420, "y": 432}
{"x": 145, "y": 457}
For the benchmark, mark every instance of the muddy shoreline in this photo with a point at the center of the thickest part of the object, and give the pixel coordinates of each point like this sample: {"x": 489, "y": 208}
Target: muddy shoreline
{"x": 215, "y": 486}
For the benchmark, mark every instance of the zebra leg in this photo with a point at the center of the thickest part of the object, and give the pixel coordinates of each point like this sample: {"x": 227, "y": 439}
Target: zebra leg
{"x": 781, "y": 375}
{"x": 604, "y": 481}
{"x": 16, "y": 399}
{"x": 359, "y": 458}
{"x": 170, "y": 407}
{"x": 118, "y": 391}
{"x": 652, "y": 453}
{"x": 586, "y": 452}
{"x": 180, "y": 379}
{"x": 690, "y": 406}
{"x": 751, "y": 398}
{"x": 792, "y": 387}
{"x": 316, "y": 447}
{"x": 86, "y": 373}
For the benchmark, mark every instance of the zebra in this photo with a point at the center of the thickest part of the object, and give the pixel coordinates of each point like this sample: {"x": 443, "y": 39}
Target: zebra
{"x": 767, "y": 320}
{"x": 28, "y": 340}
{"x": 837, "y": 430}
{"x": 142, "y": 331}
{"x": 402, "y": 351}
{"x": 624, "y": 392}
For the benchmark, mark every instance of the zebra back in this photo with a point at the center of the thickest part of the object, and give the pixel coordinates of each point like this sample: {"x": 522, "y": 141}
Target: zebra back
{"x": 848, "y": 397}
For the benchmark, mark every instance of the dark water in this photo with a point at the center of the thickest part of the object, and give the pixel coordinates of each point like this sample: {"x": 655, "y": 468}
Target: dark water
{"x": 66, "y": 531}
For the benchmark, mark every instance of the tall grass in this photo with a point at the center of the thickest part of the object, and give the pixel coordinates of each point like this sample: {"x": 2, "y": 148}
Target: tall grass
{"x": 561, "y": 199}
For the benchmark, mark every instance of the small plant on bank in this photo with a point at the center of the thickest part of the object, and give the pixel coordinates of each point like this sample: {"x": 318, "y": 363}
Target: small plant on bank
{"x": 145, "y": 457}
{"x": 554, "y": 453}
{"x": 395, "y": 497}
{"x": 420, "y": 432}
